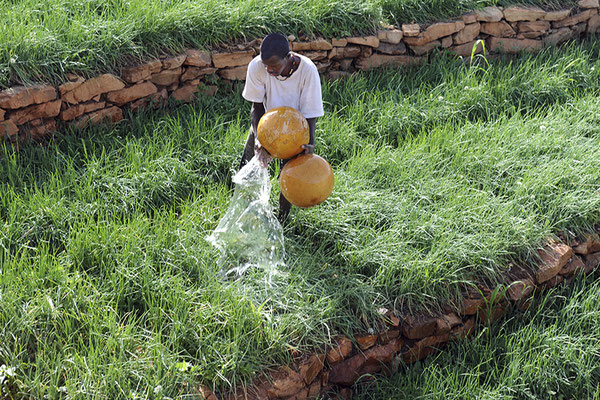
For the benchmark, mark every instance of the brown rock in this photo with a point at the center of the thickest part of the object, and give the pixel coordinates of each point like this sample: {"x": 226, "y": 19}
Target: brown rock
{"x": 380, "y": 355}
{"x": 346, "y": 372}
{"x": 45, "y": 110}
{"x": 312, "y": 367}
{"x": 557, "y": 15}
{"x": 78, "y": 110}
{"x": 467, "y": 34}
{"x": 378, "y": 60}
{"x": 471, "y": 305}
{"x": 498, "y": 29}
{"x": 447, "y": 42}
{"x": 426, "y": 48}
{"x": 514, "y": 45}
{"x": 194, "y": 72}
{"x": 588, "y": 4}
{"x": 234, "y": 74}
{"x": 487, "y": 315}
{"x": 465, "y": 330}
{"x": 315, "y": 55}
{"x": 520, "y": 289}
{"x": 446, "y": 322}
{"x": 465, "y": 50}
{"x": 470, "y": 18}
{"x": 423, "y": 348}
{"x": 552, "y": 282}
{"x": 558, "y": 37}
{"x": 579, "y": 28}
{"x": 320, "y": 45}
{"x": 43, "y": 129}
{"x": 370, "y": 41}
{"x": 127, "y": 95}
{"x": 489, "y": 14}
{"x": 592, "y": 261}
{"x": 140, "y": 72}
{"x": 106, "y": 115}
{"x": 553, "y": 257}
{"x": 68, "y": 86}
{"x": 156, "y": 100}
{"x": 573, "y": 266}
{"x": 572, "y": 20}
{"x": 286, "y": 382}
{"x": 93, "y": 87}
{"x": 314, "y": 390}
{"x": 593, "y": 25}
{"x": 513, "y": 14}
{"x": 591, "y": 244}
{"x": 388, "y": 335}
{"x": 166, "y": 77}
{"x": 21, "y": 96}
{"x": 185, "y": 93}
{"x": 393, "y": 49}
{"x": 364, "y": 342}
{"x": 535, "y": 26}
{"x": 393, "y": 36}
{"x": 419, "y": 40}
{"x": 8, "y": 129}
{"x": 236, "y": 59}
{"x": 2, "y": 113}
{"x": 197, "y": 58}
{"x": 441, "y": 29}
{"x": 339, "y": 42}
{"x": 173, "y": 62}
{"x": 366, "y": 51}
{"x": 206, "y": 393}
{"x": 418, "y": 327}
{"x": 411, "y": 30}
{"x": 340, "y": 352}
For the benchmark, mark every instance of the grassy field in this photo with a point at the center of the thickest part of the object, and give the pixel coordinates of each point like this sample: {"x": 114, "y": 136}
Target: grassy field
{"x": 551, "y": 351}
{"x": 43, "y": 41}
{"x": 443, "y": 175}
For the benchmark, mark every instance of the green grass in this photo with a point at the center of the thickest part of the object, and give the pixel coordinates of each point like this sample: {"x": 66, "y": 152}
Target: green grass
{"x": 108, "y": 289}
{"x": 550, "y": 351}
{"x": 43, "y": 41}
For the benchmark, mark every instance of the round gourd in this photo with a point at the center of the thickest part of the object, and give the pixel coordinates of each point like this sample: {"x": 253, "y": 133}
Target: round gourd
{"x": 282, "y": 131}
{"x": 307, "y": 180}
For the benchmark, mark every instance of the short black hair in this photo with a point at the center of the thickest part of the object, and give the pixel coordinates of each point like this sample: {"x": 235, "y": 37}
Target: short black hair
{"x": 274, "y": 44}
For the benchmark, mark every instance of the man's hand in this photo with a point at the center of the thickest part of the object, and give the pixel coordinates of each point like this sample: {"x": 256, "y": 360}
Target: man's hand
{"x": 308, "y": 148}
{"x": 264, "y": 158}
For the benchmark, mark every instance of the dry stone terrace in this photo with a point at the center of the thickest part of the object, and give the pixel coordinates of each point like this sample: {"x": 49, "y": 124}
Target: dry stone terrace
{"x": 38, "y": 110}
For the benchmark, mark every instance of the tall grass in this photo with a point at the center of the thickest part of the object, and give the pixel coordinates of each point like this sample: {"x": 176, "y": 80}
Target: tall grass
{"x": 109, "y": 290}
{"x": 550, "y": 351}
{"x": 43, "y": 41}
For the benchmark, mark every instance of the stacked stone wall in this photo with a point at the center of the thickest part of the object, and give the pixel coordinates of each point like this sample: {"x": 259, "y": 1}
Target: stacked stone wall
{"x": 38, "y": 110}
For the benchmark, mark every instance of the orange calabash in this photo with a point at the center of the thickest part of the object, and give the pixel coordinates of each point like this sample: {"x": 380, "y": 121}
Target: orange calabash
{"x": 307, "y": 180}
{"x": 282, "y": 131}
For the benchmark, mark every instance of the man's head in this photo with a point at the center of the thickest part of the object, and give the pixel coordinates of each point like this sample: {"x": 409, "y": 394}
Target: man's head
{"x": 273, "y": 53}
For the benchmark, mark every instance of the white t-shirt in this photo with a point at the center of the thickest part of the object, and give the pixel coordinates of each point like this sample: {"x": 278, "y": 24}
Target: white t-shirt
{"x": 302, "y": 90}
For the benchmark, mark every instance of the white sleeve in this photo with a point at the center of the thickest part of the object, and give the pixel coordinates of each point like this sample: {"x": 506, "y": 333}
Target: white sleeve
{"x": 311, "y": 101}
{"x": 254, "y": 88}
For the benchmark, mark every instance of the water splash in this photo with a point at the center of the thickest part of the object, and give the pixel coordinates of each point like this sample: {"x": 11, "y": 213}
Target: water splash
{"x": 249, "y": 235}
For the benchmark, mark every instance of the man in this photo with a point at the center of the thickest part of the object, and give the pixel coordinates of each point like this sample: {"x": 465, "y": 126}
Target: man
{"x": 276, "y": 78}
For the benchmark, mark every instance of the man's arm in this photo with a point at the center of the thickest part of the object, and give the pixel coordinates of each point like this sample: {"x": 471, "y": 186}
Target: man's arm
{"x": 258, "y": 110}
{"x": 310, "y": 147}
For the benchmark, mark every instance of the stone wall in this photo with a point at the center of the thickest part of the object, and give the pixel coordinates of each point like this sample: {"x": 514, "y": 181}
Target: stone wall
{"x": 38, "y": 110}
{"x": 409, "y": 339}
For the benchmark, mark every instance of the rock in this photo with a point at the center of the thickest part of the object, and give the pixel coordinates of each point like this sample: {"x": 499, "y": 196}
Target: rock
{"x": 411, "y": 30}
{"x": 45, "y": 110}
{"x": 173, "y": 62}
{"x": 393, "y": 36}
{"x": 21, "y": 96}
{"x": 535, "y": 26}
{"x": 106, "y": 115}
{"x": 592, "y": 261}
{"x": 446, "y": 322}
{"x": 468, "y": 34}
{"x": 68, "y": 86}
{"x": 95, "y": 86}
{"x": 558, "y": 37}
{"x": 197, "y": 58}
{"x": 520, "y": 289}
{"x": 514, "y": 45}
{"x": 346, "y": 372}
{"x": 127, "y": 95}
{"x": 489, "y": 14}
{"x": 312, "y": 367}
{"x": 364, "y": 342}
{"x": 235, "y": 59}
{"x": 339, "y": 42}
{"x": 378, "y": 60}
{"x": 514, "y": 14}
{"x": 498, "y": 29}
{"x": 392, "y": 49}
{"x": 8, "y": 129}
{"x": 465, "y": 50}
{"x": 195, "y": 72}
{"x": 557, "y": 15}
{"x": 569, "y": 21}
{"x": 590, "y": 245}
{"x": 553, "y": 257}
{"x": 340, "y": 352}
{"x": 588, "y": 4}
{"x": 370, "y": 41}
{"x": 418, "y": 327}
{"x": 166, "y": 77}
{"x": 234, "y": 74}
{"x": 593, "y": 24}
{"x": 441, "y": 29}
{"x": 79, "y": 109}
{"x": 286, "y": 382}
{"x": 573, "y": 266}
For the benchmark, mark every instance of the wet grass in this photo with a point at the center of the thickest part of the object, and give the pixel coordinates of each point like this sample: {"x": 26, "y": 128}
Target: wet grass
{"x": 108, "y": 288}
{"x": 43, "y": 41}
